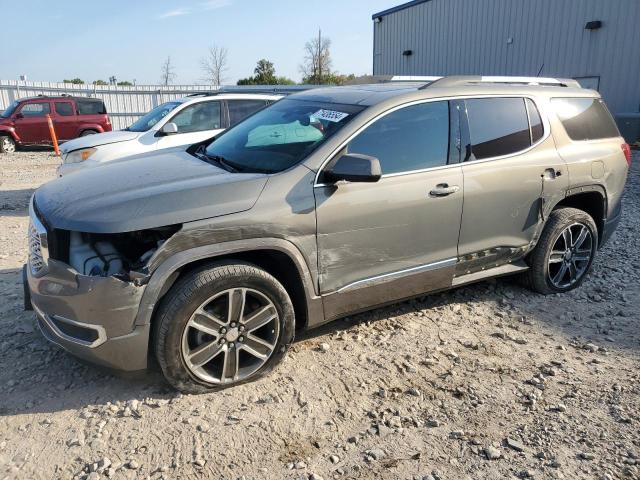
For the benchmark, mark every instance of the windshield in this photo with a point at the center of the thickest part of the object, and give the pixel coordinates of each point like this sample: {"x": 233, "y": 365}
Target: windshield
{"x": 10, "y": 109}
{"x": 148, "y": 120}
{"x": 281, "y": 135}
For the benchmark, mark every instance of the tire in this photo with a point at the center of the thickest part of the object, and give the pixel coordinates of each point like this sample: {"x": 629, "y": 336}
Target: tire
{"x": 86, "y": 133}
{"x": 7, "y": 144}
{"x": 193, "y": 325}
{"x": 550, "y": 257}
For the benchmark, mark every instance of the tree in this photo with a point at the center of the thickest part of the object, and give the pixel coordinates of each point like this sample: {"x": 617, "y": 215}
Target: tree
{"x": 75, "y": 81}
{"x": 125, "y": 83}
{"x": 265, "y": 74}
{"x": 284, "y": 81}
{"x": 214, "y": 64}
{"x": 317, "y": 60}
{"x": 168, "y": 74}
{"x": 100, "y": 82}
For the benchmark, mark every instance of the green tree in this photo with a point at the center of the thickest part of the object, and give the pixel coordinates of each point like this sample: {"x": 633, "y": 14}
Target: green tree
{"x": 100, "y": 82}
{"x": 265, "y": 74}
{"x": 125, "y": 83}
{"x": 75, "y": 81}
{"x": 284, "y": 81}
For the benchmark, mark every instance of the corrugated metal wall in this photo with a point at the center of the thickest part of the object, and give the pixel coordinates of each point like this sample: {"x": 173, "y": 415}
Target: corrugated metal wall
{"x": 517, "y": 37}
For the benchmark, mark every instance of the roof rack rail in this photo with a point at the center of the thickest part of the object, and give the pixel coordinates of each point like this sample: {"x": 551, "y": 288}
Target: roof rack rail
{"x": 457, "y": 80}
{"x": 267, "y": 89}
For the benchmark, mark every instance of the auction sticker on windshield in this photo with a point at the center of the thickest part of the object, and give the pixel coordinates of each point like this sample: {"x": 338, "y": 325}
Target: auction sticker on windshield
{"x": 329, "y": 115}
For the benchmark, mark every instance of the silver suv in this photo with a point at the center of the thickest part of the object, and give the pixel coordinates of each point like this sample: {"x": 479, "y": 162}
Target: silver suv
{"x": 326, "y": 203}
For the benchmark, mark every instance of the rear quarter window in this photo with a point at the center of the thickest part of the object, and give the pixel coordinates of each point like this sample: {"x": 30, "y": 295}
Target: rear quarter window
{"x": 91, "y": 107}
{"x": 585, "y": 118}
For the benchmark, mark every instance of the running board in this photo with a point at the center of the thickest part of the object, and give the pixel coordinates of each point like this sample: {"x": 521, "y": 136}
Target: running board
{"x": 508, "y": 269}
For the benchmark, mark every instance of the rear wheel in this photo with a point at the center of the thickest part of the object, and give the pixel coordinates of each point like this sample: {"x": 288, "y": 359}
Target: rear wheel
{"x": 7, "y": 145}
{"x": 86, "y": 133}
{"x": 565, "y": 252}
{"x": 222, "y": 325}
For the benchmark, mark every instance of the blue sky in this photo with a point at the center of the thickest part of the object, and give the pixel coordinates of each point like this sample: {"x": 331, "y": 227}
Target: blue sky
{"x": 51, "y": 40}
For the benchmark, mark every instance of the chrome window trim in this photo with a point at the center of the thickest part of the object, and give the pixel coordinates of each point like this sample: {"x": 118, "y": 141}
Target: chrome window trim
{"x": 542, "y": 111}
{"x": 397, "y": 274}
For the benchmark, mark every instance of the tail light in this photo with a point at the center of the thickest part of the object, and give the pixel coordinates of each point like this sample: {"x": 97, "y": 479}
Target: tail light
{"x": 626, "y": 149}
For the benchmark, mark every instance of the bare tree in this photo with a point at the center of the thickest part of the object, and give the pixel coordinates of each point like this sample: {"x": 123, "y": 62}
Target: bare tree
{"x": 317, "y": 60}
{"x": 168, "y": 74}
{"x": 214, "y": 64}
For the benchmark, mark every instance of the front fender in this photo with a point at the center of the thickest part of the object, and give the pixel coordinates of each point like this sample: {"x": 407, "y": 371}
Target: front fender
{"x": 11, "y": 132}
{"x": 164, "y": 274}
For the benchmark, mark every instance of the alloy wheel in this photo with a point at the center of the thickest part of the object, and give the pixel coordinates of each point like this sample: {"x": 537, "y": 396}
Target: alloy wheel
{"x": 8, "y": 145}
{"x": 570, "y": 255}
{"x": 230, "y": 336}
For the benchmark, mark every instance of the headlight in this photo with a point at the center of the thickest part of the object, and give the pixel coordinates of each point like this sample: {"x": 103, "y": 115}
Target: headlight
{"x": 78, "y": 156}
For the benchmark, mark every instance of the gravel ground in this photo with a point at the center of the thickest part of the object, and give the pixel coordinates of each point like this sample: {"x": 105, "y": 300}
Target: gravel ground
{"x": 486, "y": 381}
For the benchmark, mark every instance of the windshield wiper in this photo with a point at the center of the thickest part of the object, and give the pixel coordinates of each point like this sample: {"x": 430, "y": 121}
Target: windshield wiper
{"x": 216, "y": 160}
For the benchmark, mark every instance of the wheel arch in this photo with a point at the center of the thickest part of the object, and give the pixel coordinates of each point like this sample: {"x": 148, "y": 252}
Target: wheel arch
{"x": 9, "y": 132}
{"x": 591, "y": 199}
{"x": 279, "y": 258}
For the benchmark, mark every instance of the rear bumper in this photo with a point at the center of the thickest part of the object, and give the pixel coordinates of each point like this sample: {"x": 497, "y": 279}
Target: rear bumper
{"x": 90, "y": 317}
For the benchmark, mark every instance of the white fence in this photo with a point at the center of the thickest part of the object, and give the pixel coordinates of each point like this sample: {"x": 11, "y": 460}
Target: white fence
{"x": 124, "y": 104}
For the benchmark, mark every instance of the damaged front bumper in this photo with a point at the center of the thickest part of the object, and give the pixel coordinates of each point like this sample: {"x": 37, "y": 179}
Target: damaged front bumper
{"x": 91, "y": 317}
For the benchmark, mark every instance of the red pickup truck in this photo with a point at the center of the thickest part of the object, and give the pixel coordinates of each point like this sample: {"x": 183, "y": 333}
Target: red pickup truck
{"x": 24, "y": 122}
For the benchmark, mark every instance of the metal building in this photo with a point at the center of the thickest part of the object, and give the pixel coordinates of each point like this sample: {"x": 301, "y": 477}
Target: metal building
{"x": 594, "y": 41}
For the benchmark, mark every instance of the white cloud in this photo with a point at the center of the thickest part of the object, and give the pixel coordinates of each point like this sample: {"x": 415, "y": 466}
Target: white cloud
{"x": 215, "y": 4}
{"x": 175, "y": 13}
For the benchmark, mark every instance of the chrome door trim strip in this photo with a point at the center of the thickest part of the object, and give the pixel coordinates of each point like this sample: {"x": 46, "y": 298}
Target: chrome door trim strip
{"x": 397, "y": 274}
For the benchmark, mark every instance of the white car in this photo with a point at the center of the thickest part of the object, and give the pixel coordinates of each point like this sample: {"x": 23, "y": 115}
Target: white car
{"x": 180, "y": 122}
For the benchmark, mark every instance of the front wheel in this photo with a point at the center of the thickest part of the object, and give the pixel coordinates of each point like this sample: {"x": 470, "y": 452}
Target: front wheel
{"x": 86, "y": 133}
{"x": 222, "y": 325}
{"x": 7, "y": 144}
{"x": 564, "y": 253}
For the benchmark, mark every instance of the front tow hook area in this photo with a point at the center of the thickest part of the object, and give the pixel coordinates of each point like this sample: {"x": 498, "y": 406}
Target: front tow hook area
{"x": 25, "y": 288}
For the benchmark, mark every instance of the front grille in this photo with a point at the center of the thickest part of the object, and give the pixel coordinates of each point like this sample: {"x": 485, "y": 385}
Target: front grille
{"x": 36, "y": 260}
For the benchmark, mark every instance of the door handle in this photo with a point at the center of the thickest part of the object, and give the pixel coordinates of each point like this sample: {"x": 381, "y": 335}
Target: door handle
{"x": 443, "y": 189}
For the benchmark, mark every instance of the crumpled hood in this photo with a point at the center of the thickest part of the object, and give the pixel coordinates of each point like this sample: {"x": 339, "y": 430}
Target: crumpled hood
{"x": 98, "y": 139}
{"x": 146, "y": 191}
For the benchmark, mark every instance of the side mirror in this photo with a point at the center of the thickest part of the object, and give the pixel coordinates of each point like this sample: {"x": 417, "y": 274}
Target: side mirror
{"x": 354, "y": 167}
{"x": 169, "y": 128}
{"x": 19, "y": 116}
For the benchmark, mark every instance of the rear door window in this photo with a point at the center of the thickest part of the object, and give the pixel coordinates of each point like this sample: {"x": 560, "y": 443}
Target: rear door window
{"x": 585, "y": 118}
{"x": 39, "y": 109}
{"x": 64, "y": 109}
{"x": 90, "y": 107}
{"x": 241, "y": 109}
{"x": 412, "y": 138}
{"x": 497, "y": 126}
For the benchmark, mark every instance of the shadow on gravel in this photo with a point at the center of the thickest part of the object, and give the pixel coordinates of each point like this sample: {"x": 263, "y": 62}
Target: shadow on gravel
{"x": 15, "y": 203}
{"x": 37, "y": 377}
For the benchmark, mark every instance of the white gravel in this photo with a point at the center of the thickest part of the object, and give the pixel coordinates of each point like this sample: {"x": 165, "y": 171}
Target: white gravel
{"x": 487, "y": 381}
